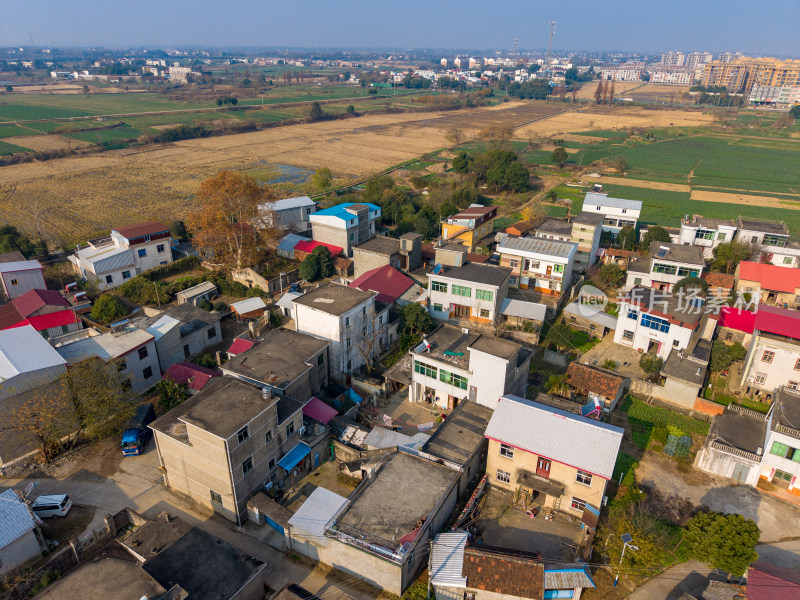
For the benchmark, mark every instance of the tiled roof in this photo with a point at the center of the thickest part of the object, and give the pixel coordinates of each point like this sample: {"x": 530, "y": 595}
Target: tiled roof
{"x": 190, "y": 375}
{"x": 722, "y": 280}
{"x": 770, "y": 277}
{"x": 387, "y": 281}
{"x": 504, "y": 574}
{"x": 141, "y": 229}
{"x": 587, "y": 379}
{"x": 240, "y": 345}
{"x": 31, "y": 301}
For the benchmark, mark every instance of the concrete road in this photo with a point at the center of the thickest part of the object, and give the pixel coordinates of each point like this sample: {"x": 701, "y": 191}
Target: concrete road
{"x": 690, "y": 577}
{"x": 107, "y": 483}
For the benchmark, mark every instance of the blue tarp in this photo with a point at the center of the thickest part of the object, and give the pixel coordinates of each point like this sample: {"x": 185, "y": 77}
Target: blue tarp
{"x": 294, "y": 456}
{"x": 354, "y": 396}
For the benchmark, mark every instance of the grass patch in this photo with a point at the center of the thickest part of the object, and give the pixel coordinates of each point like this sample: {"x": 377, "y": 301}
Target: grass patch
{"x": 6, "y": 148}
{"x": 106, "y": 135}
{"x": 645, "y": 418}
{"x": 626, "y": 465}
{"x": 602, "y": 133}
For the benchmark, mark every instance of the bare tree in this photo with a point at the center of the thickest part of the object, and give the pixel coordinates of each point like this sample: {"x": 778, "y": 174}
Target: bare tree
{"x": 611, "y": 94}
{"x": 496, "y": 136}
{"x": 455, "y": 136}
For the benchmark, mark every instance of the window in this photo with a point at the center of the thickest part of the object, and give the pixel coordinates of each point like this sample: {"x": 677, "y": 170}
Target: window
{"x": 513, "y": 263}
{"x": 126, "y": 275}
{"x": 243, "y": 434}
{"x": 109, "y": 279}
{"x": 729, "y": 337}
{"x": 212, "y": 333}
{"x": 704, "y": 234}
{"x": 349, "y": 365}
{"x": 597, "y": 208}
{"x": 627, "y": 335}
{"x": 578, "y": 504}
{"x": 14, "y": 282}
{"x": 142, "y": 352}
{"x": 655, "y": 323}
{"x": 684, "y": 272}
{"x": 584, "y": 477}
{"x": 321, "y": 359}
{"x": 721, "y": 237}
{"x": 624, "y": 210}
{"x": 347, "y": 321}
{"x": 787, "y": 260}
{"x": 271, "y": 464}
{"x": 452, "y": 379}
{"x": 675, "y": 343}
{"x": 633, "y": 314}
{"x": 147, "y": 373}
{"x": 121, "y": 365}
{"x": 289, "y": 429}
{"x": 665, "y": 269}
{"x": 364, "y": 330}
{"x": 438, "y": 286}
{"x": 460, "y": 290}
{"x": 469, "y": 596}
{"x": 637, "y": 281}
{"x": 558, "y": 268}
{"x": 347, "y": 343}
{"x": 363, "y": 311}
{"x": 380, "y": 320}
{"x": 438, "y": 307}
{"x": 268, "y": 436}
{"x": 761, "y": 378}
{"x": 247, "y": 466}
{"x": 484, "y": 295}
{"x": 64, "y": 329}
{"x": 352, "y": 236}
{"x": 506, "y": 450}
{"x": 503, "y": 477}
{"x": 779, "y": 449}
{"x": 142, "y": 252}
{"x": 484, "y": 313}
{"x": 215, "y": 497}
{"x": 767, "y": 356}
{"x": 793, "y": 385}
{"x": 423, "y": 369}
{"x": 160, "y": 248}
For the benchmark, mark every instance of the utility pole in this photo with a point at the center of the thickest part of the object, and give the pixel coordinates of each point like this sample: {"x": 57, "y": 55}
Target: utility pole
{"x": 550, "y": 44}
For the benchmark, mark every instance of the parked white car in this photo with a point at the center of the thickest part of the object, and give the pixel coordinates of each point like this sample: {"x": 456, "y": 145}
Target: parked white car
{"x": 53, "y": 505}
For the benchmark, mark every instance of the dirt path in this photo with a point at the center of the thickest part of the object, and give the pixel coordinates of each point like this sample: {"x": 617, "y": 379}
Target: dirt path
{"x": 767, "y": 201}
{"x": 640, "y": 183}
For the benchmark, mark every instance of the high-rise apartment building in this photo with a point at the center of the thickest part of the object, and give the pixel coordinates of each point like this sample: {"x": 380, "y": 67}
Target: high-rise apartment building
{"x": 740, "y": 75}
{"x": 673, "y": 59}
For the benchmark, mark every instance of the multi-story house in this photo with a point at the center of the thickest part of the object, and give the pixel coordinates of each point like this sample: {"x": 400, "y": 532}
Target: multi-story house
{"x": 541, "y": 264}
{"x": 586, "y": 230}
{"x": 290, "y": 214}
{"x": 357, "y": 327}
{"x": 781, "y": 463}
{"x": 653, "y": 321}
{"x": 617, "y": 212}
{"x": 665, "y": 266}
{"x": 773, "y": 351}
{"x": 555, "y": 458}
{"x": 453, "y": 364}
{"x": 472, "y": 291}
{"x": 470, "y": 226}
{"x": 739, "y": 74}
{"x": 673, "y": 59}
{"x": 127, "y": 252}
{"x": 768, "y": 283}
{"x": 706, "y": 233}
{"x": 345, "y": 225}
{"x": 549, "y": 229}
{"x": 671, "y": 75}
{"x": 768, "y": 234}
{"x": 226, "y": 442}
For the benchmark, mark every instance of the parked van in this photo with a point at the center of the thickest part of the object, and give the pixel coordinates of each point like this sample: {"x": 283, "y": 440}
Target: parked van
{"x": 137, "y": 432}
{"x": 53, "y": 505}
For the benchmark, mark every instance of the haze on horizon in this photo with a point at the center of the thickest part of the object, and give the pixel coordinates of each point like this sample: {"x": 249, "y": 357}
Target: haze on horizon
{"x": 766, "y": 28}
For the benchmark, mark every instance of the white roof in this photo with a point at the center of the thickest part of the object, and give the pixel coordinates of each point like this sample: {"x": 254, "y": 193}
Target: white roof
{"x": 245, "y": 306}
{"x": 106, "y": 346}
{"x": 287, "y": 203}
{"x": 15, "y": 518}
{"x": 200, "y": 288}
{"x": 23, "y": 350}
{"x": 525, "y": 310}
{"x": 287, "y": 300}
{"x": 19, "y": 265}
{"x": 102, "y": 259}
{"x": 567, "y": 438}
{"x": 447, "y": 560}
{"x": 600, "y": 199}
{"x": 601, "y": 318}
{"x": 536, "y": 247}
{"x": 318, "y": 511}
{"x": 162, "y": 326}
{"x": 386, "y": 438}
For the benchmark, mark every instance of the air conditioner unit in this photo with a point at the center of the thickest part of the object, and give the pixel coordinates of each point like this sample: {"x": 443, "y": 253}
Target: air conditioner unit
{"x": 302, "y": 430}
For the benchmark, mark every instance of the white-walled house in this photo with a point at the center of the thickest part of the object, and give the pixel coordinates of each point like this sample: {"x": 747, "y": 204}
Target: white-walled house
{"x": 345, "y": 225}
{"x": 665, "y": 265}
{"x": 19, "y": 533}
{"x": 773, "y": 354}
{"x": 127, "y": 252}
{"x": 542, "y": 264}
{"x": 472, "y": 291}
{"x": 292, "y": 214}
{"x": 454, "y": 364}
{"x": 650, "y": 320}
{"x": 357, "y": 327}
{"x": 617, "y": 212}
{"x": 18, "y": 276}
{"x": 706, "y": 233}
{"x": 781, "y": 463}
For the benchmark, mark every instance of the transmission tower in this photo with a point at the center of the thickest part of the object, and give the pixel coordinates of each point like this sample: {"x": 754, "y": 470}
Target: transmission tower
{"x": 550, "y": 44}
{"x": 516, "y": 46}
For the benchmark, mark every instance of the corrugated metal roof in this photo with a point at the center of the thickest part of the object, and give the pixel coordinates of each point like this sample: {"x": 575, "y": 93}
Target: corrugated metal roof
{"x": 340, "y": 210}
{"x": 289, "y": 241}
{"x": 525, "y": 310}
{"x": 546, "y": 431}
{"x": 317, "y": 512}
{"x": 386, "y": 438}
{"x": 15, "y": 518}
{"x": 605, "y": 200}
{"x": 287, "y": 300}
{"x": 536, "y": 245}
{"x": 567, "y": 576}
{"x": 447, "y": 560}
{"x": 601, "y": 318}
{"x": 195, "y": 290}
{"x": 22, "y": 350}
{"x": 20, "y": 265}
{"x": 245, "y": 306}
{"x": 287, "y": 203}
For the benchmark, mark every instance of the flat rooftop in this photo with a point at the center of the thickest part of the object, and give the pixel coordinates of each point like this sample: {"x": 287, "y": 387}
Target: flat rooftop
{"x": 588, "y": 218}
{"x": 333, "y": 298}
{"x": 739, "y": 430}
{"x": 279, "y": 359}
{"x": 404, "y": 491}
{"x": 475, "y": 273}
{"x": 380, "y": 245}
{"x": 773, "y": 227}
{"x": 149, "y": 539}
{"x": 107, "y": 577}
{"x": 461, "y": 434}
{"x": 451, "y": 339}
{"x": 664, "y": 251}
{"x": 787, "y": 411}
{"x": 496, "y": 346}
{"x": 106, "y": 346}
{"x": 555, "y": 227}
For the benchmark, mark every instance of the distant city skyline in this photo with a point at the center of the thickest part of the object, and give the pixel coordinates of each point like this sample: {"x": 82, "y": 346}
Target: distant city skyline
{"x": 648, "y": 26}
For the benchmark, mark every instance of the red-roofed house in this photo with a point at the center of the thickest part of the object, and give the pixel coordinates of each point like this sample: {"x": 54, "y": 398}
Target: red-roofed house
{"x": 194, "y": 377}
{"x": 47, "y": 311}
{"x": 239, "y": 346}
{"x": 736, "y": 325}
{"x": 390, "y": 284}
{"x": 769, "y": 582}
{"x": 775, "y": 285}
{"x": 773, "y": 355}
{"x": 303, "y": 249}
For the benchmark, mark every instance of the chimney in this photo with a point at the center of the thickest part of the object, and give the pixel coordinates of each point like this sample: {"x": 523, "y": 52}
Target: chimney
{"x": 266, "y": 393}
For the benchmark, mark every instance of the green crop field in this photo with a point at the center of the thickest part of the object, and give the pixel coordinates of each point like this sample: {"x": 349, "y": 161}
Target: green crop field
{"x": 106, "y": 135}
{"x": 672, "y": 160}
{"x": 6, "y": 148}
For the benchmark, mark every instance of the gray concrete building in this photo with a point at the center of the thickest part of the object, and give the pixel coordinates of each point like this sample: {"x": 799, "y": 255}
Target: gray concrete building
{"x": 345, "y": 225}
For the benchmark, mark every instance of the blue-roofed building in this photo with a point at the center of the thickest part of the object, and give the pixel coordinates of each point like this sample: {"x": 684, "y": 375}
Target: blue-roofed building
{"x": 345, "y": 225}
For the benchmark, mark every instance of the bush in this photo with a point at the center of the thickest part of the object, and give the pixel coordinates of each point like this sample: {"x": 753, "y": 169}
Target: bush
{"x": 181, "y": 132}
{"x": 205, "y": 305}
{"x": 611, "y": 275}
{"x": 609, "y": 364}
{"x": 107, "y": 309}
{"x": 207, "y": 361}
{"x": 724, "y": 541}
{"x": 220, "y": 306}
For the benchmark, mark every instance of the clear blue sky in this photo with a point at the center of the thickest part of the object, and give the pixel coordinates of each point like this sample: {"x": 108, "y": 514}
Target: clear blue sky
{"x": 753, "y": 26}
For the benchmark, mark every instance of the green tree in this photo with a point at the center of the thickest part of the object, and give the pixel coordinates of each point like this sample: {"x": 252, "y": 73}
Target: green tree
{"x": 9, "y": 88}
{"x": 309, "y": 268}
{"x": 559, "y": 156}
{"x": 246, "y": 82}
{"x": 728, "y": 255}
{"x": 415, "y": 320}
{"x": 691, "y": 285}
{"x": 655, "y": 234}
{"x": 322, "y": 179}
{"x": 626, "y": 238}
{"x": 325, "y": 261}
{"x": 350, "y": 110}
{"x": 794, "y": 111}
{"x": 557, "y": 384}
{"x": 517, "y": 178}
{"x": 651, "y": 364}
{"x": 171, "y": 394}
{"x": 724, "y": 355}
{"x": 12, "y": 240}
{"x": 205, "y": 304}
{"x": 315, "y": 113}
{"x": 611, "y": 275}
{"x": 178, "y": 230}
{"x": 108, "y": 308}
{"x": 462, "y": 163}
{"x": 560, "y": 335}
{"x": 724, "y": 541}
{"x": 94, "y": 390}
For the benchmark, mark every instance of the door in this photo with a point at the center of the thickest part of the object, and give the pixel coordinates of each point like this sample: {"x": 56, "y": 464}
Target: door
{"x": 782, "y": 479}
{"x": 186, "y": 353}
{"x": 543, "y": 468}
{"x": 316, "y": 459}
{"x": 740, "y": 473}
{"x": 549, "y": 269}
{"x": 462, "y": 312}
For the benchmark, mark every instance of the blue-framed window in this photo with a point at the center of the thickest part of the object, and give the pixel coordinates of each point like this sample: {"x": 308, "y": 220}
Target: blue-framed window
{"x": 652, "y": 322}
